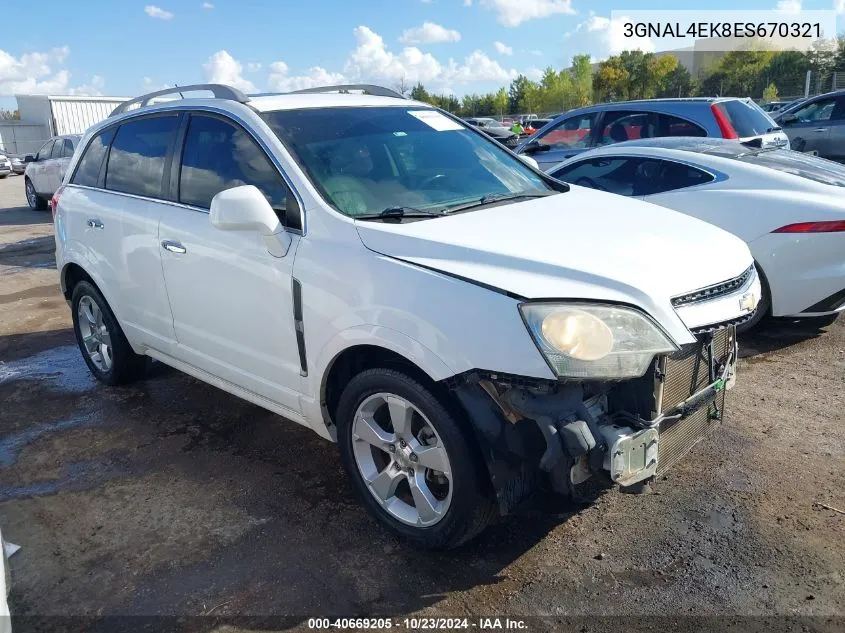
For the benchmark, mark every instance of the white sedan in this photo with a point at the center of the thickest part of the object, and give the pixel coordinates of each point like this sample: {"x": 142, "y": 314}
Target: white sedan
{"x": 789, "y": 208}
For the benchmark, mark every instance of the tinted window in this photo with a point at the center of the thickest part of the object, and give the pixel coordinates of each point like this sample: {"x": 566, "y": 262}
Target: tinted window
{"x": 673, "y": 126}
{"x": 138, "y": 155}
{"x": 68, "y": 148}
{"x": 58, "y": 149}
{"x": 364, "y": 160}
{"x": 821, "y": 110}
{"x": 798, "y": 164}
{"x": 672, "y": 176}
{"x": 88, "y": 171}
{"x": 573, "y": 132}
{"x": 44, "y": 152}
{"x": 219, "y": 155}
{"x": 627, "y": 126}
{"x": 626, "y": 176}
{"x": 746, "y": 118}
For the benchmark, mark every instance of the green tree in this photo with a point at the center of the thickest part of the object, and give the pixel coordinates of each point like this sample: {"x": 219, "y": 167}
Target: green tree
{"x": 500, "y": 101}
{"x": 581, "y": 72}
{"x": 770, "y": 93}
{"x": 419, "y": 93}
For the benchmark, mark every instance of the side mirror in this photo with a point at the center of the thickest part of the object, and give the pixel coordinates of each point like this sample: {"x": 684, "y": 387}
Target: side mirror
{"x": 535, "y": 146}
{"x": 529, "y": 161}
{"x": 246, "y": 209}
{"x": 29, "y": 158}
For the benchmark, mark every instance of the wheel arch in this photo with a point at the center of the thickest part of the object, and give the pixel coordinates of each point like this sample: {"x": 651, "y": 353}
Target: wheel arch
{"x": 360, "y": 357}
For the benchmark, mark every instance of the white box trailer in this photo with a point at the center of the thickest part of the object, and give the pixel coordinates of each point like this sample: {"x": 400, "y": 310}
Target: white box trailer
{"x": 45, "y": 116}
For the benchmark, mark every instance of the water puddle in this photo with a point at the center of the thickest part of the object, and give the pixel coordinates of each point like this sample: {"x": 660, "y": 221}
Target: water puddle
{"x": 60, "y": 369}
{"x": 12, "y": 445}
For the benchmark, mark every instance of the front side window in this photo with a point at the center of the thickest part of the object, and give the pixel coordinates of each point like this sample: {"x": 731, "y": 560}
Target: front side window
{"x": 622, "y": 175}
{"x": 571, "y": 133}
{"x": 821, "y": 110}
{"x": 68, "y": 148}
{"x": 219, "y": 155}
{"x": 88, "y": 171}
{"x": 364, "y": 160}
{"x": 44, "y": 152}
{"x": 138, "y": 155}
{"x": 58, "y": 149}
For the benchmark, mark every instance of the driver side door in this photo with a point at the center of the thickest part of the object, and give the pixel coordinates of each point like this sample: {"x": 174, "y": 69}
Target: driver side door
{"x": 37, "y": 169}
{"x": 810, "y": 131}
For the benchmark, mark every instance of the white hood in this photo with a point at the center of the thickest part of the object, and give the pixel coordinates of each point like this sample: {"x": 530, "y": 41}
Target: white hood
{"x": 583, "y": 244}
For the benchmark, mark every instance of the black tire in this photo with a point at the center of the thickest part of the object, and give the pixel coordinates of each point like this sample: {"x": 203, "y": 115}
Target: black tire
{"x": 764, "y": 307}
{"x": 472, "y": 507}
{"x": 126, "y": 366}
{"x": 35, "y": 202}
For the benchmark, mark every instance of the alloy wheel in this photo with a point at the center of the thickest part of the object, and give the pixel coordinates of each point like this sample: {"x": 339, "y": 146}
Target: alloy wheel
{"x": 402, "y": 459}
{"x": 95, "y": 334}
{"x": 31, "y": 198}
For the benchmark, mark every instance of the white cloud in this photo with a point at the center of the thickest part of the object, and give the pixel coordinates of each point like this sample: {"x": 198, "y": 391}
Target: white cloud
{"x": 534, "y": 73}
{"x": 537, "y": 53}
{"x": 33, "y": 73}
{"x": 788, "y": 6}
{"x": 602, "y": 37}
{"x": 478, "y": 67}
{"x": 157, "y": 12}
{"x": 515, "y": 12}
{"x": 253, "y": 67}
{"x": 280, "y": 80}
{"x": 839, "y": 6}
{"x": 207, "y": 5}
{"x": 468, "y": 3}
{"x": 504, "y": 49}
{"x": 429, "y": 33}
{"x": 372, "y": 61}
{"x": 222, "y": 68}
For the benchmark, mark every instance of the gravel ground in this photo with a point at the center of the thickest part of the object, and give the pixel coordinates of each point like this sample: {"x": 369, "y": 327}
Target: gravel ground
{"x": 171, "y": 497}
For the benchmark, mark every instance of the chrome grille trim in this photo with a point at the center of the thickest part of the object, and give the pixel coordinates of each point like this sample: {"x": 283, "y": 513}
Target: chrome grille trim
{"x": 714, "y": 291}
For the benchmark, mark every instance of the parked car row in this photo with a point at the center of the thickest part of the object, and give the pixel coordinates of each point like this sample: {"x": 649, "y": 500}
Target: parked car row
{"x": 464, "y": 325}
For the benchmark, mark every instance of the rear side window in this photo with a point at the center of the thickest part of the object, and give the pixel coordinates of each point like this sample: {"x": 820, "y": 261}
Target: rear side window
{"x": 747, "y": 119}
{"x": 673, "y": 126}
{"x": 618, "y": 127}
{"x": 138, "y": 155}
{"x": 68, "y": 150}
{"x": 58, "y": 149}
{"x": 88, "y": 172}
{"x": 219, "y": 155}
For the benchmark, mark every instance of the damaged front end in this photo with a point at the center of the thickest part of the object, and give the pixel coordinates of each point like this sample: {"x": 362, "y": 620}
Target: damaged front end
{"x": 625, "y": 431}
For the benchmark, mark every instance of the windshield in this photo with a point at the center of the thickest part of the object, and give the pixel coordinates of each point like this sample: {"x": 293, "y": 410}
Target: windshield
{"x": 798, "y": 164}
{"x": 364, "y": 160}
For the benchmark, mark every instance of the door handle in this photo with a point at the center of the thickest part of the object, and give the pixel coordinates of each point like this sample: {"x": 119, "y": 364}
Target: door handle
{"x": 820, "y": 129}
{"x": 174, "y": 247}
{"x": 94, "y": 223}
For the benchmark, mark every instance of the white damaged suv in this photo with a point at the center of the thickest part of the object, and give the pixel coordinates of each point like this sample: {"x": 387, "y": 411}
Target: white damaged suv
{"x": 463, "y": 325}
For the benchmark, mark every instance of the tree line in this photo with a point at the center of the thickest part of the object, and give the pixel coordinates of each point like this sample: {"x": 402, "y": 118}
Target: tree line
{"x": 762, "y": 74}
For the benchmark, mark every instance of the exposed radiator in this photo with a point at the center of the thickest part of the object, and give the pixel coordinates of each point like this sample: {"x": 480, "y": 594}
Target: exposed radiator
{"x": 686, "y": 372}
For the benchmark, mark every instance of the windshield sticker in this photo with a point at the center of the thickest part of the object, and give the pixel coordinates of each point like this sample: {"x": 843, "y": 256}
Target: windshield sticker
{"x": 435, "y": 120}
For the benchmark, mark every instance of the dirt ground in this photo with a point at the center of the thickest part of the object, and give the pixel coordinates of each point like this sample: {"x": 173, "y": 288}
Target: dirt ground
{"x": 172, "y": 497}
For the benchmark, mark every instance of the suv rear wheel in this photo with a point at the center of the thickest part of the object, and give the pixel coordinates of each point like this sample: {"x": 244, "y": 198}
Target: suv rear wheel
{"x": 411, "y": 463}
{"x": 101, "y": 341}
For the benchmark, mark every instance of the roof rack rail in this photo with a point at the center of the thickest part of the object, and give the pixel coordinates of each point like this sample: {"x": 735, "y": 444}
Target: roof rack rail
{"x": 376, "y": 91}
{"x": 218, "y": 90}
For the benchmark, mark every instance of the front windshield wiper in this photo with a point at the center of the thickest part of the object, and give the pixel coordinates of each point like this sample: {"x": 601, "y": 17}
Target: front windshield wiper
{"x": 499, "y": 197}
{"x": 398, "y": 213}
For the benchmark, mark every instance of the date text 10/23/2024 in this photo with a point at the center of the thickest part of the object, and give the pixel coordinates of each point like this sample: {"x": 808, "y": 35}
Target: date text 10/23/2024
{"x": 419, "y": 624}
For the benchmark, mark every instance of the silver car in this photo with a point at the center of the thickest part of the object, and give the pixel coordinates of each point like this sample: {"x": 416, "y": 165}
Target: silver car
{"x": 5, "y": 166}
{"x": 607, "y": 123}
{"x": 817, "y": 125}
{"x": 46, "y": 170}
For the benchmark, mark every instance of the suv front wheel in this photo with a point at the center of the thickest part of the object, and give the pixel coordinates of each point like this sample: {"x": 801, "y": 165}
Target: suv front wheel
{"x": 411, "y": 462}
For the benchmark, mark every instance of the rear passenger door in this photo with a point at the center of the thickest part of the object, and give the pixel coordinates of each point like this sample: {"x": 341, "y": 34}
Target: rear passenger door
{"x": 116, "y": 197}
{"x": 231, "y": 300}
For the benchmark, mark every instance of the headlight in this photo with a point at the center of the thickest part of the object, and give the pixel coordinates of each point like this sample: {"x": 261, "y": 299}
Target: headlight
{"x": 582, "y": 340}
